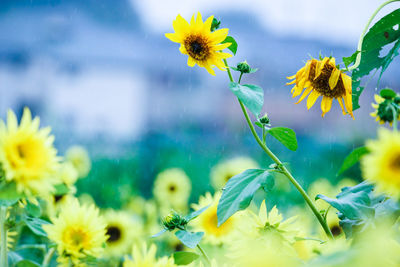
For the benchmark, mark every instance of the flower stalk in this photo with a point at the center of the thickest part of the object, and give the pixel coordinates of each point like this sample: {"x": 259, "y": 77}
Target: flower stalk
{"x": 3, "y": 236}
{"x": 48, "y": 257}
{"x": 204, "y": 254}
{"x": 282, "y": 168}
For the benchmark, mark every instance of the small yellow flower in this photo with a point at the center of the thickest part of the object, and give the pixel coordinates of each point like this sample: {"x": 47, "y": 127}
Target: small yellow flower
{"x": 382, "y": 165}
{"x": 172, "y": 189}
{"x": 79, "y": 231}
{"x": 383, "y": 112}
{"x": 208, "y": 220}
{"x": 79, "y": 157}
{"x": 225, "y": 170}
{"x": 198, "y": 42}
{"x": 27, "y": 154}
{"x": 147, "y": 258}
{"x": 323, "y": 78}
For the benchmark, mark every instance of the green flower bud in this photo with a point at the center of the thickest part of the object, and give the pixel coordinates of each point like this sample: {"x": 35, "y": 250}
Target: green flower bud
{"x": 215, "y": 24}
{"x": 264, "y": 119}
{"x": 385, "y": 111}
{"x": 174, "y": 220}
{"x": 243, "y": 67}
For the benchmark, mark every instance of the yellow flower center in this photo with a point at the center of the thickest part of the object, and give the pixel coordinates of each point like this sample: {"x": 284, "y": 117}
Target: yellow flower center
{"x": 321, "y": 83}
{"x": 114, "y": 234}
{"x": 197, "y": 47}
{"x": 76, "y": 237}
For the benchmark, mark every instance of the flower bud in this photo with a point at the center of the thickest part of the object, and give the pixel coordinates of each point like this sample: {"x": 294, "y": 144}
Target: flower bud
{"x": 174, "y": 220}
{"x": 215, "y": 24}
{"x": 264, "y": 119}
{"x": 243, "y": 67}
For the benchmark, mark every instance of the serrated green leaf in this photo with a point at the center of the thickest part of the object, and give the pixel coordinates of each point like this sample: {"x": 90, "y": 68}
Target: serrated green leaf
{"x": 33, "y": 210}
{"x": 251, "y": 95}
{"x": 233, "y": 46}
{"x": 286, "y": 136}
{"x": 35, "y": 224}
{"x": 353, "y": 158}
{"x": 388, "y": 93}
{"x": 189, "y": 239}
{"x": 196, "y": 213}
{"x": 351, "y": 59}
{"x": 239, "y": 191}
{"x": 185, "y": 257}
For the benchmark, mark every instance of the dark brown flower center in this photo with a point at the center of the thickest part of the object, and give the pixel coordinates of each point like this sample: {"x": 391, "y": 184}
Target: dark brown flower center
{"x": 336, "y": 230}
{"x": 395, "y": 164}
{"x": 57, "y": 198}
{"x": 197, "y": 47}
{"x": 172, "y": 188}
{"x": 321, "y": 83}
{"x": 114, "y": 234}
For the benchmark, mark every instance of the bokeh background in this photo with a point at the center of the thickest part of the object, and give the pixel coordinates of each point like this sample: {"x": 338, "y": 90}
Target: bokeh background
{"x": 102, "y": 75}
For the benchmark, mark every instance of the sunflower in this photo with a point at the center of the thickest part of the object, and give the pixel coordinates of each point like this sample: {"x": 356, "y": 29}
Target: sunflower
{"x": 172, "y": 189}
{"x": 147, "y": 258}
{"x": 79, "y": 157}
{"x": 198, "y": 42}
{"x": 382, "y": 165}
{"x": 225, "y": 170}
{"x": 122, "y": 230}
{"x": 208, "y": 220}
{"x": 79, "y": 231}
{"x": 383, "y": 112}
{"x": 27, "y": 154}
{"x": 323, "y": 78}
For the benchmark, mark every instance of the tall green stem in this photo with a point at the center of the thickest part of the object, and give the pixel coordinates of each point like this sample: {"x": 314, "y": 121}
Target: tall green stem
{"x": 3, "y": 237}
{"x": 284, "y": 170}
{"x": 360, "y": 41}
{"x": 47, "y": 257}
{"x": 395, "y": 115}
{"x": 204, "y": 254}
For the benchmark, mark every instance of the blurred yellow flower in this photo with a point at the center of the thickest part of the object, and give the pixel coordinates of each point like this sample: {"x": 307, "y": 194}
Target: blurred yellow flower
{"x": 147, "y": 258}
{"x": 79, "y": 157}
{"x": 79, "y": 231}
{"x": 382, "y": 164}
{"x": 225, "y": 170}
{"x": 198, "y": 42}
{"x": 67, "y": 173}
{"x": 208, "y": 221}
{"x": 323, "y": 78}
{"x": 123, "y": 231}
{"x": 172, "y": 189}
{"x": 27, "y": 154}
{"x": 383, "y": 113}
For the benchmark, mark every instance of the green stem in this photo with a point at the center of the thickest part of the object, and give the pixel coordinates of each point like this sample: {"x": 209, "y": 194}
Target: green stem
{"x": 284, "y": 170}
{"x": 204, "y": 254}
{"x": 47, "y": 257}
{"x": 3, "y": 236}
{"x": 395, "y": 115}
{"x": 240, "y": 77}
{"x": 360, "y": 41}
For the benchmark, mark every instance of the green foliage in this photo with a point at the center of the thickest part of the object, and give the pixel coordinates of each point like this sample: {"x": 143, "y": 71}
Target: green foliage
{"x": 35, "y": 224}
{"x": 196, "y": 213}
{"x": 286, "y": 136}
{"x": 251, "y": 95}
{"x": 384, "y": 32}
{"x": 33, "y": 210}
{"x": 27, "y": 263}
{"x": 189, "y": 239}
{"x": 351, "y": 59}
{"x": 388, "y": 93}
{"x": 185, "y": 257}
{"x": 358, "y": 207}
{"x": 233, "y": 47}
{"x": 353, "y": 158}
{"x": 61, "y": 189}
{"x": 239, "y": 191}
{"x": 8, "y": 194}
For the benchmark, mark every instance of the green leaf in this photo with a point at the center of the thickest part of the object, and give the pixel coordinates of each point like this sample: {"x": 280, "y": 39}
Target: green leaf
{"x": 35, "y": 224}
{"x": 286, "y": 136}
{"x": 239, "y": 191}
{"x": 253, "y": 70}
{"x": 8, "y": 194}
{"x": 189, "y": 239}
{"x": 251, "y": 95}
{"x": 33, "y": 210}
{"x": 159, "y": 233}
{"x": 353, "y": 158}
{"x": 61, "y": 189}
{"x": 385, "y": 31}
{"x": 388, "y": 93}
{"x": 196, "y": 213}
{"x": 185, "y": 257}
{"x": 13, "y": 258}
{"x": 233, "y": 46}
{"x": 351, "y": 59}
{"x": 27, "y": 263}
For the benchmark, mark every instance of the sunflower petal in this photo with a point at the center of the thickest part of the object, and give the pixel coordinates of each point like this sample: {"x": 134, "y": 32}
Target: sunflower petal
{"x": 191, "y": 62}
{"x": 207, "y": 24}
{"x": 334, "y": 78}
{"x": 305, "y": 93}
{"x": 346, "y": 82}
{"x": 340, "y": 100}
{"x": 312, "y": 98}
{"x": 326, "y": 105}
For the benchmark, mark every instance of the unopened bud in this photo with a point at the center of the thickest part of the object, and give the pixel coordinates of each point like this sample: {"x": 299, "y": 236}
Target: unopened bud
{"x": 243, "y": 67}
{"x": 215, "y": 24}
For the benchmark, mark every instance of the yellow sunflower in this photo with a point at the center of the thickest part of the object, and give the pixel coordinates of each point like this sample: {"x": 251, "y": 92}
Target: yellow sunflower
{"x": 27, "y": 154}
{"x": 122, "y": 230}
{"x": 79, "y": 157}
{"x": 383, "y": 113}
{"x": 172, "y": 189}
{"x": 323, "y": 78}
{"x": 198, "y": 42}
{"x": 207, "y": 222}
{"x": 382, "y": 165}
{"x": 79, "y": 231}
{"x": 225, "y": 170}
{"x": 147, "y": 258}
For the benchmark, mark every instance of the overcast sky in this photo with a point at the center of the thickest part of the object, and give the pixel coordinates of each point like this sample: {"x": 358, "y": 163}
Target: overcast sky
{"x": 340, "y": 21}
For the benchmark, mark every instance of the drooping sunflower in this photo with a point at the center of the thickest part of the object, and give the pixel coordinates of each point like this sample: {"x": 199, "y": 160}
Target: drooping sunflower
{"x": 222, "y": 172}
{"x": 207, "y": 221}
{"x": 383, "y": 112}
{"x": 79, "y": 157}
{"x": 198, "y": 42}
{"x": 172, "y": 189}
{"x": 27, "y": 154}
{"x": 382, "y": 164}
{"x": 122, "y": 230}
{"x": 79, "y": 231}
{"x": 147, "y": 258}
{"x": 323, "y": 78}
